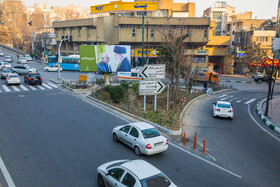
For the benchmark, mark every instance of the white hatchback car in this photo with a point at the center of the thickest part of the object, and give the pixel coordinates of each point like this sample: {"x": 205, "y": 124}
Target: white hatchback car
{"x": 52, "y": 68}
{"x": 223, "y": 109}
{"x": 142, "y": 137}
{"x": 131, "y": 173}
{"x": 13, "y": 78}
{"x": 5, "y": 65}
{"x": 28, "y": 57}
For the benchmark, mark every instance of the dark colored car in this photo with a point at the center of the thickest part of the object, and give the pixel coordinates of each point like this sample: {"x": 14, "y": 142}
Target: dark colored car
{"x": 262, "y": 78}
{"x": 33, "y": 78}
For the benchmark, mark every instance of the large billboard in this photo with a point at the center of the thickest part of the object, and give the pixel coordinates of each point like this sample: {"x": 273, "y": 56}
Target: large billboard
{"x": 105, "y": 58}
{"x": 116, "y": 6}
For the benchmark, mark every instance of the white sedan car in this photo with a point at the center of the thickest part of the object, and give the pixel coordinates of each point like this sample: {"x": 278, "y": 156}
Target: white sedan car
{"x": 130, "y": 173}
{"x": 142, "y": 137}
{"x": 52, "y": 68}
{"x": 13, "y": 78}
{"x": 22, "y": 60}
{"x": 28, "y": 57}
{"x": 223, "y": 109}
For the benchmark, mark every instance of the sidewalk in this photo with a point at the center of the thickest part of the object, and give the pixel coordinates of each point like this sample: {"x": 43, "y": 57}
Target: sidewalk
{"x": 273, "y": 111}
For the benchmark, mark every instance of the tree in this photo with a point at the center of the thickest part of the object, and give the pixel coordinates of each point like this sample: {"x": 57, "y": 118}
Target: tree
{"x": 177, "y": 63}
{"x": 256, "y": 57}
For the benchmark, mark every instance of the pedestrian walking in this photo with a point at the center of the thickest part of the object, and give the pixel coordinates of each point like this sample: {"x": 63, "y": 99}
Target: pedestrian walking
{"x": 205, "y": 86}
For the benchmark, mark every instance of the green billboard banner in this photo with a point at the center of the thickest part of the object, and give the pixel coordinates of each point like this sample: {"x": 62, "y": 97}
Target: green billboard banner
{"x": 87, "y": 58}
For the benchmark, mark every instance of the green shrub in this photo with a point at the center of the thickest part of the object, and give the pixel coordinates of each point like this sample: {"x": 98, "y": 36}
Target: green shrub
{"x": 100, "y": 82}
{"x": 107, "y": 88}
{"x": 125, "y": 84}
{"x": 116, "y": 93}
{"x": 135, "y": 87}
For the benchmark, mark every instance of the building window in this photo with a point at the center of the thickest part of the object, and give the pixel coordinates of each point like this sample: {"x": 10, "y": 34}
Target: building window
{"x": 217, "y": 16}
{"x": 139, "y": 13}
{"x": 133, "y": 31}
{"x": 266, "y": 39}
{"x": 219, "y": 25}
{"x": 232, "y": 32}
{"x": 88, "y": 32}
{"x": 205, "y": 32}
{"x": 79, "y": 32}
{"x": 152, "y": 32}
{"x": 218, "y": 33}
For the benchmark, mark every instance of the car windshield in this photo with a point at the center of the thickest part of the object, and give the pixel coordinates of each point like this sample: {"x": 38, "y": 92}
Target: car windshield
{"x": 6, "y": 63}
{"x": 35, "y": 75}
{"x": 116, "y": 164}
{"x": 155, "y": 181}
{"x": 8, "y": 57}
{"x": 221, "y": 105}
{"x": 6, "y": 71}
{"x": 150, "y": 133}
{"x": 13, "y": 76}
{"x": 22, "y": 58}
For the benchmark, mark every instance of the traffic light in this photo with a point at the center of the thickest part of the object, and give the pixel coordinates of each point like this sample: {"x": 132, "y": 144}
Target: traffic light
{"x": 66, "y": 38}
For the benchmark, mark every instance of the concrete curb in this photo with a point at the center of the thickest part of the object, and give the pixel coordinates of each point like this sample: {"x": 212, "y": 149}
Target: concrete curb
{"x": 201, "y": 96}
{"x": 249, "y": 82}
{"x": 265, "y": 119}
{"x": 170, "y": 132}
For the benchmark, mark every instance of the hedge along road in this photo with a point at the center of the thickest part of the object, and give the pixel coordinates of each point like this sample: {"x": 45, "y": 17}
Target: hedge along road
{"x": 239, "y": 144}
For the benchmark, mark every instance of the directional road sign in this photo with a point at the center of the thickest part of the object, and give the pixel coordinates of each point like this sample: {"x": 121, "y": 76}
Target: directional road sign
{"x": 151, "y": 87}
{"x": 153, "y": 71}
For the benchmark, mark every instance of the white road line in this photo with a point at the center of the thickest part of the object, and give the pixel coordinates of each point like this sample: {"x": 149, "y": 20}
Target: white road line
{"x": 15, "y": 88}
{"x": 250, "y": 101}
{"x": 238, "y": 101}
{"x": 52, "y": 85}
{"x": 6, "y": 174}
{"x": 260, "y": 125}
{"x": 41, "y": 87}
{"x": 47, "y": 86}
{"x": 228, "y": 97}
{"x": 222, "y": 96}
{"x": 23, "y": 87}
{"x": 215, "y": 165}
{"x": 32, "y": 88}
{"x": 6, "y": 88}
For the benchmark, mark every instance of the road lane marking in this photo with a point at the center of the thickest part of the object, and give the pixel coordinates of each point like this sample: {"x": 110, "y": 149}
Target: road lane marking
{"x": 215, "y": 165}
{"x": 226, "y": 98}
{"x": 47, "y": 86}
{"x": 52, "y": 85}
{"x": 15, "y": 88}
{"x": 238, "y": 101}
{"x": 222, "y": 96}
{"x": 250, "y": 101}
{"x": 170, "y": 143}
{"x": 23, "y": 87}
{"x": 6, "y": 174}
{"x": 6, "y": 88}
{"x": 41, "y": 87}
{"x": 32, "y": 88}
{"x": 260, "y": 125}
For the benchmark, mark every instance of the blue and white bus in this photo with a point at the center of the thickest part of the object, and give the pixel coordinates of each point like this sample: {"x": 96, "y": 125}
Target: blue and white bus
{"x": 68, "y": 63}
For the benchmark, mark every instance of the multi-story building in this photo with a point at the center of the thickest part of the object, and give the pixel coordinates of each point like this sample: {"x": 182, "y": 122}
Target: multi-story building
{"x": 118, "y": 29}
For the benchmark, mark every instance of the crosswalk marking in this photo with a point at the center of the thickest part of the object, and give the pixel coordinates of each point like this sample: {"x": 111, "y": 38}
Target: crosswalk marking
{"x": 23, "y": 87}
{"x": 15, "y": 88}
{"x": 250, "y": 101}
{"x": 47, "y": 86}
{"x": 222, "y": 96}
{"x": 41, "y": 87}
{"x": 238, "y": 101}
{"x": 52, "y": 85}
{"x": 32, "y": 87}
{"x": 6, "y": 88}
{"x": 228, "y": 97}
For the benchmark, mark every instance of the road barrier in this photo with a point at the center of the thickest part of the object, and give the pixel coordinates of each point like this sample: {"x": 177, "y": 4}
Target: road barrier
{"x": 184, "y": 139}
{"x": 204, "y": 152}
{"x": 248, "y": 82}
{"x": 195, "y": 140}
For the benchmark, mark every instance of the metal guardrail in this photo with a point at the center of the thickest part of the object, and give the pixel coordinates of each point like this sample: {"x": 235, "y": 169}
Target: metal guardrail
{"x": 13, "y": 50}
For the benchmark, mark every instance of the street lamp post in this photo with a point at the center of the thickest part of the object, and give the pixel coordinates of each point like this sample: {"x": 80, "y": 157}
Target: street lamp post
{"x": 59, "y": 57}
{"x": 147, "y": 59}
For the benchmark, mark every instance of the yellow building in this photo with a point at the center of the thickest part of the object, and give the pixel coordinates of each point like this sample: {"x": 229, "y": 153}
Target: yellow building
{"x": 220, "y": 59}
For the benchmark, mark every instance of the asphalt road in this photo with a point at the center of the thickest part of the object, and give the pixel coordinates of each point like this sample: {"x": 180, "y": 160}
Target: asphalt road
{"x": 239, "y": 144}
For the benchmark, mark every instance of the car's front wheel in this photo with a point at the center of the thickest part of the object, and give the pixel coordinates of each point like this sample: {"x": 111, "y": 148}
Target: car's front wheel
{"x": 115, "y": 137}
{"x": 137, "y": 150}
{"x": 100, "y": 181}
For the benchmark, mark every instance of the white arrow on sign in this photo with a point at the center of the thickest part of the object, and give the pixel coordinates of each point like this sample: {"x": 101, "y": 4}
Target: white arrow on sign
{"x": 151, "y": 87}
{"x": 153, "y": 71}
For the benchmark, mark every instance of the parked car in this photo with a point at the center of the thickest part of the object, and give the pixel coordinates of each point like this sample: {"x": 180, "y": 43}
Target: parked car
{"x": 5, "y": 73}
{"x": 136, "y": 69}
{"x": 13, "y": 78}
{"x": 5, "y": 65}
{"x": 23, "y": 69}
{"x": 52, "y": 68}
{"x": 22, "y": 60}
{"x": 33, "y": 78}
{"x": 28, "y": 57}
{"x": 131, "y": 173}
{"x": 223, "y": 109}
{"x": 1, "y": 53}
{"x": 257, "y": 74}
{"x": 8, "y": 59}
{"x": 142, "y": 137}
{"x": 262, "y": 78}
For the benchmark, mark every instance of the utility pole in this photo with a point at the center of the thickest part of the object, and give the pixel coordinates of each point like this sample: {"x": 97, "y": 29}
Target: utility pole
{"x": 147, "y": 58}
{"x": 143, "y": 24}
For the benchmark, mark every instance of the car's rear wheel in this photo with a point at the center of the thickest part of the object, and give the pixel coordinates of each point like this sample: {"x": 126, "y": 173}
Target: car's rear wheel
{"x": 100, "y": 181}
{"x": 137, "y": 150}
{"x": 46, "y": 70}
{"x": 115, "y": 137}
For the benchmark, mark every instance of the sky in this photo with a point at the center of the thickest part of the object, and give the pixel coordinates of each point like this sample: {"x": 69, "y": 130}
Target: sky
{"x": 262, "y": 9}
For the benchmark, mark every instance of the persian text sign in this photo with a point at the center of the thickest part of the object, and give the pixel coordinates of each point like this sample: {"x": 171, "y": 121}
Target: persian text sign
{"x": 151, "y": 87}
{"x": 153, "y": 71}
{"x": 116, "y": 6}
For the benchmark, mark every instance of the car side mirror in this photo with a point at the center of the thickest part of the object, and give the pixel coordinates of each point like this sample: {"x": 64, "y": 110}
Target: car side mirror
{"x": 107, "y": 173}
